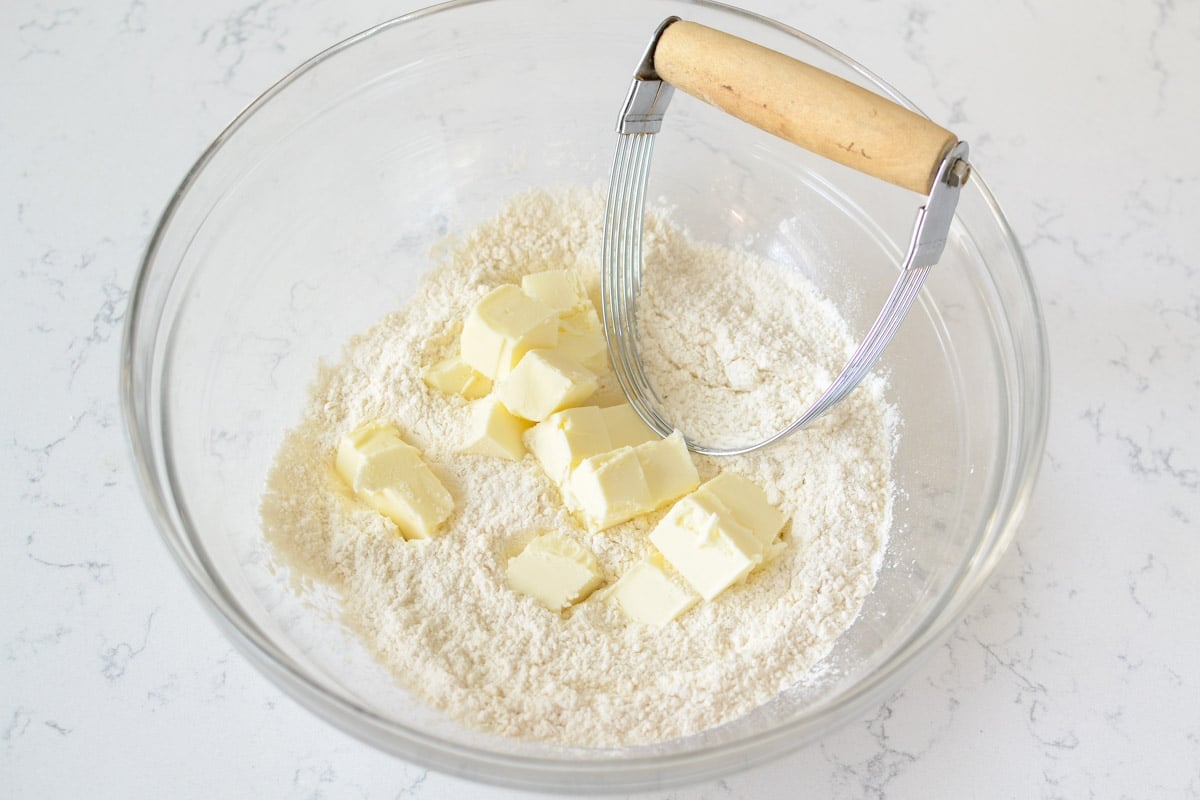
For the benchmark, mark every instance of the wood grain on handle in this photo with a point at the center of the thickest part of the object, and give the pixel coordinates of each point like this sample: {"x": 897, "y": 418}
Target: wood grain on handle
{"x": 804, "y": 105}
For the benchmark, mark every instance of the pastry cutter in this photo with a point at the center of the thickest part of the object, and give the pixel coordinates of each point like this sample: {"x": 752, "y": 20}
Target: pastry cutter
{"x": 803, "y": 105}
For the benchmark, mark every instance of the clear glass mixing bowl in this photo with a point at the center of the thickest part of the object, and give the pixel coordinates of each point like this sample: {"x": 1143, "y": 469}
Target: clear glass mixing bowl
{"x": 312, "y": 216}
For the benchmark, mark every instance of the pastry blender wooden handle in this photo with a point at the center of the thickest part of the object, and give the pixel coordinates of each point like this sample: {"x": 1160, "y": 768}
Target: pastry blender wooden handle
{"x": 804, "y": 105}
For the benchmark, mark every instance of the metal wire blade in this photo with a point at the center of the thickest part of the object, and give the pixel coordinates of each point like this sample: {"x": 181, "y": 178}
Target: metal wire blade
{"x": 621, "y": 273}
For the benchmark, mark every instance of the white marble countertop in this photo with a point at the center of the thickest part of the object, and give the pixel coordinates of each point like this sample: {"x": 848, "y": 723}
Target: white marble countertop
{"x": 1075, "y": 674}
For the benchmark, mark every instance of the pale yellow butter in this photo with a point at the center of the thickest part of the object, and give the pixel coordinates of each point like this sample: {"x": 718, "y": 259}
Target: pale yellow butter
{"x": 706, "y": 545}
{"x": 563, "y": 440}
{"x": 502, "y": 327}
{"x": 581, "y": 336}
{"x": 625, "y": 427}
{"x": 647, "y": 594}
{"x": 389, "y": 475}
{"x": 493, "y": 431}
{"x": 455, "y": 376}
{"x": 748, "y": 504}
{"x": 668, "y": 468}
{"x": 543, "y": 382}
{"x": 555, "y": 570}
{"x": 613, "y": 487}
{"x": 561, "y": 289}
{"x": 608, "y": 489}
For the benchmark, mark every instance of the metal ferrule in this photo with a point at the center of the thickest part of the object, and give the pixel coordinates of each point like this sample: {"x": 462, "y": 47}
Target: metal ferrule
{"x": 934, "y": 218}
{"x": 649, "y": 94}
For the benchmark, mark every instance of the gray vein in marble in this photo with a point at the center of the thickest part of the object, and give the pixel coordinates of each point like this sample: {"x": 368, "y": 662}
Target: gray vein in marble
{"x": 57, "y": 728}
{"x": 1150, "y": 569}
{"x": 1143, "y": 457}
{"x": 41, "y": 268}
{"x": 276, "y": 349}
{"x": 1017, "y": 668}
{"x": 872, "y": 776}
{"x": 1141, "y": 381}
{"x": 18, "y": 723}
{"x": 164, "y": 693}
{"x": 232, "y": 35}
{"x": 313, "y": 780}
{"x": 915, "y": 36}
{"x": 117, "y": 658}
{"x": 134, "y": 20}
{"x": 216, "y": 684}
{"x": 36, "y": 32}
{"x": 35, "y": 472}
{"x": 413, "y": 789}
{"x": 98, "y": 571}
{"x": 107, "y": 320}
{"x": 1047, "y": 218}
{"x": 24, "y": 644}
{"x": 1165, "y": 9}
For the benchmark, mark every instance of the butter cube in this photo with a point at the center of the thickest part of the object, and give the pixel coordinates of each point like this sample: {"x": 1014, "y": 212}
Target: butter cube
{"x": 502, "y": 327}
{"x": 390, "y": 476}
{"x": 706, "y": 545}
{"x": 561, "y": 289}
{"x": 543, "y": 382}
{"x": 563, "y": 440}
{"x": 647, "y": 594}
{"x": 668, "y": 468}
{"x": 493, "y": 431}
{"x": 613, "y": 487}
{"x": 555, "y": 570}
{"x": 581, "y": 336}
{"x": 608, "y": 489}
{"x": 748, "y": 504}
{"x": 455, "y": 376}
{"x": 609, "y": 465}
{"x": 625, "y": 427}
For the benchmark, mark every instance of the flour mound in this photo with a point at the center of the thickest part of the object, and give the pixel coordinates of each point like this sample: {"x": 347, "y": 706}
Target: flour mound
{"x": 732, "y": 343}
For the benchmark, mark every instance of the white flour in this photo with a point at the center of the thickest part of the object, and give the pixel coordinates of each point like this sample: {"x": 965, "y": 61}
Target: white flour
{"x": 740, "y": 343}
